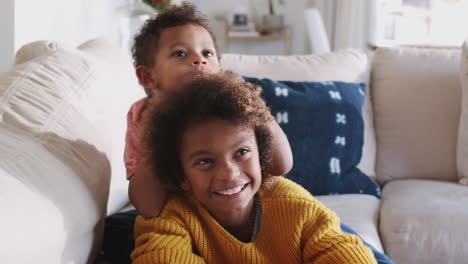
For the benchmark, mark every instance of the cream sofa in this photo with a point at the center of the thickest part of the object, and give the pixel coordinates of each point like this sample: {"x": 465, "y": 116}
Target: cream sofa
{"x": 62, "y": 126}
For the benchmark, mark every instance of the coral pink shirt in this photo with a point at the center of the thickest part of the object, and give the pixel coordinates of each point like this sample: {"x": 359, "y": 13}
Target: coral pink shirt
{"x": 132, "y": 139}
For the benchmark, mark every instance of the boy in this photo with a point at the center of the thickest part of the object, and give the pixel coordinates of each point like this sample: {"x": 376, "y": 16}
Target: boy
{"x": 210, "y": 145}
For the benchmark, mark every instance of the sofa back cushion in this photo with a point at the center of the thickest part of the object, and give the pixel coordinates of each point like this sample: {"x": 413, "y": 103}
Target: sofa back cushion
{"x": 345, "y": 65}
{"x": 416, "y": 98}
{"x": 462, "y": 151}
{"x": 60, "y": 110}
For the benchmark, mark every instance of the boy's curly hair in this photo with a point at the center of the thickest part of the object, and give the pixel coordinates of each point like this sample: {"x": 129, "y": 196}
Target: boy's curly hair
{"x": 147, "y": 40}
{"x": 217, "y": 96}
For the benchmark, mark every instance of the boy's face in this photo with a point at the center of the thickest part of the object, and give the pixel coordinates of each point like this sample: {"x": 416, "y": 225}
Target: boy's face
{"x": 221, "y": 164}
{"x": 184, "y": 52}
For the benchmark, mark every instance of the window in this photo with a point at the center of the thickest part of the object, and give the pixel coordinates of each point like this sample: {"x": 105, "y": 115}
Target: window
{"x": 421, "y": 22}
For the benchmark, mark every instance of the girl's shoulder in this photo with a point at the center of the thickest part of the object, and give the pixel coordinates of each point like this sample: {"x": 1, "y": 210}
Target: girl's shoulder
{"x": 288, "y": 196}
{"x": 285, "y": 188}
{"x": 180, "y": 206}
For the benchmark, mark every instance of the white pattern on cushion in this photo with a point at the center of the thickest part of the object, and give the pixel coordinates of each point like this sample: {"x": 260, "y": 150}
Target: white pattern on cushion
{"x": 348, "y": 65}
{"x": 462, "y": 150}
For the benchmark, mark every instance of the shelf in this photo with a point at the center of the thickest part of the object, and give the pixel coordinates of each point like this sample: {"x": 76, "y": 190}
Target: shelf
{"x": 272, "y": 33}
{"x": 260, "y": 27}
{"x": 265, "y": 37}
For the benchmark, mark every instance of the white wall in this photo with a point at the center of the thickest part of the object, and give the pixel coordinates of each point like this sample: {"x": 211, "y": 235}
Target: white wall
{"x": 293, "y": 15}
{"x": 73, "y": 22}
{"x": 7, "y": 33}
{"x": 70, "y": 22}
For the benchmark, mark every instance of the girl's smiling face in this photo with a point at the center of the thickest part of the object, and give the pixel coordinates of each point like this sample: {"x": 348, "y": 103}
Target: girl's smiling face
{"x": 220, "y": 161}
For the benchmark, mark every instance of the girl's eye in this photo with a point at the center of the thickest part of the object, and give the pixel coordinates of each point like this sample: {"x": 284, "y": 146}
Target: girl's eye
{"x": 180, "y": 53}
{"x": 202, "y": 162}
{"x": 243, "y": 151}
{"x": 208, "y": 53}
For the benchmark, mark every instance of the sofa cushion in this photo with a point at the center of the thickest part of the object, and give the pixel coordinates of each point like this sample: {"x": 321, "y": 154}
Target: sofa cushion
{"x": 119, "y": 86}
{"x": 359, "y": 211}
{"x": 107, "y": 72}
{"x": 60, "y": 165}
{"x": 324, "y": 125}
{"x": 416, "y": 94}
{"x": 50, "y": 210}
{"x": 345, "y": 65}
{"x": 424, "y": 221}
{"x": 63, "y": 106}
{"x": 462, "y": 150}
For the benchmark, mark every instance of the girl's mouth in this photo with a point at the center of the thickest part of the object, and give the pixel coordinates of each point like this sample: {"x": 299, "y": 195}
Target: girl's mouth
{"x": 232, "y": 191}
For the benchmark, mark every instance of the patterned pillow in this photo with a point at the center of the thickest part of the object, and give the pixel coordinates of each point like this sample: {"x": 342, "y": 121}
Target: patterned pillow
{"x": 324, "y": 125}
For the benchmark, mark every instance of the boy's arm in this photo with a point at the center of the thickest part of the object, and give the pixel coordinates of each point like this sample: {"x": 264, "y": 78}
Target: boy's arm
{"x": 281, "y": 154}
{"x": 145, "y": 191}
{"x": 160, "y": 240}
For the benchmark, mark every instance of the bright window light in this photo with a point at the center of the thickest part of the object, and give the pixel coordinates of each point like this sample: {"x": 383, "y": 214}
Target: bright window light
{"x": 422, "y": 22}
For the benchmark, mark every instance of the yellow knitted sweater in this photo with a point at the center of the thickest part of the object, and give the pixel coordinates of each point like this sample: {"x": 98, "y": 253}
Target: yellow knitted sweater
{"x": 295, "y": 228}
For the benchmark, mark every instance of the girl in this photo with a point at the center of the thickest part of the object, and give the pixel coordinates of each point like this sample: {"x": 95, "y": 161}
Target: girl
{"x": 211, "y": 148}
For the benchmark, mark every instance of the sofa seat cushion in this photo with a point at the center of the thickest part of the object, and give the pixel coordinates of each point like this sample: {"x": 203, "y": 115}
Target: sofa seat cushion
{"x": 359, "y": 211}
{"x": 424, "y": 221}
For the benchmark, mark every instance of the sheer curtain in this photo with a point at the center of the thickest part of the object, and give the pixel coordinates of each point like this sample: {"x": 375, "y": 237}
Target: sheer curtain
{"x": 347, "y": 22}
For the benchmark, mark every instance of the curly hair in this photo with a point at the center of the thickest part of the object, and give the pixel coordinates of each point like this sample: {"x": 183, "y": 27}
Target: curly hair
{"x": 147, "y": 40}
{"x": 217, "y": 96}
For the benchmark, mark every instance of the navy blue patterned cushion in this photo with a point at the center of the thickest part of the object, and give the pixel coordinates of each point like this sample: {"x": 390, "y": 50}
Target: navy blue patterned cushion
{"x": 324, "y": 125}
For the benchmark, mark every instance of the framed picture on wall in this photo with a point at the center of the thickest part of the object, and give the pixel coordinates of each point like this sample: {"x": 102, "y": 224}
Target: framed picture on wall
{"x": 269, "y": 7}
{"x": 240, "y": 19}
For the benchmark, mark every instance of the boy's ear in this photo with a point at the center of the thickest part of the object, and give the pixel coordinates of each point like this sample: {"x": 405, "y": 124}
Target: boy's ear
{"x": 145, "y": 77}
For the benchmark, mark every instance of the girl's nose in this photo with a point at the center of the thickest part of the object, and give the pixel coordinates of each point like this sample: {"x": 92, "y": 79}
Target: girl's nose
{"x": 229, "y": 171}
